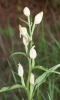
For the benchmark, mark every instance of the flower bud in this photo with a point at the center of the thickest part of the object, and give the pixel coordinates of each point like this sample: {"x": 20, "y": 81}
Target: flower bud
{"x": 33, "y": 53}
{"x": 32, "y": 78}
{"x": 26, "y": 11}
{"x": 38, "y": 18}
{"x": 20, "y": 70}
{"x": 25, "y": 40}
{"x": 23, "y": 31}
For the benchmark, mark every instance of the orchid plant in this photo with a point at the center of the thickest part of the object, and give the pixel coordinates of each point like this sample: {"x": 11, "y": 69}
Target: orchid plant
{"x": 32, "y": 83}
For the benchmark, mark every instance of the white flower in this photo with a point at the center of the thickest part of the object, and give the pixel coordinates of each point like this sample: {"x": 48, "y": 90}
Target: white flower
{"x": 23, "y": 31}
{"x": 38, "y": 18}
{"x": 32, "y": 78}
{"x": 25, "y": 40}
{"x": 26, "y": 11}
{"x": 33, "y": 53}
{"x": 20, "y": 70}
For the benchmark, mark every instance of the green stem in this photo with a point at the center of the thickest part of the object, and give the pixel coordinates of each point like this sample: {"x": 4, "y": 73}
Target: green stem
{"x": 33, "y": 62}
{"x": 33, "y": 29}
{"x": 30, "y": 61}
{"x": 38, "y": 93}
{"x": 29, "y": 58}
{"x": 22, "y": 80}
{"x": 29, "y": 73}
{"x": 26, "y": 49}
{"x": 28, "y": 93}
{"x": 29, "y": 25}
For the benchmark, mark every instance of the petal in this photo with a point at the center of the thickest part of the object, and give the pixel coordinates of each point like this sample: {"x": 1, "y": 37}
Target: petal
{"x": 20, "y": 70}
{"x": 23, "y": 30}
{"x": 38, "y": 17}
{"x": 26, "y": 11}
{"x": 33, "y": 53}
{"x": 32, "y": 78}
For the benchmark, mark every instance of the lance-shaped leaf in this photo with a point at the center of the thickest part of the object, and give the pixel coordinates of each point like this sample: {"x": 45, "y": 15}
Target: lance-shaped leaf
{"x": 43, "y": 77}
{"x": 18, "y": 53}
{"x": 15, "y": 86}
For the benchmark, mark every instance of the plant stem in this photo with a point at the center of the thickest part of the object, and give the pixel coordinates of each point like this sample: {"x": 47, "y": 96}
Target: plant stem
{"x": 33, "y": 27}
{"x": 29, "y": 25}
{"x": 29, "y": 59}
{"x": 29, "y": 73}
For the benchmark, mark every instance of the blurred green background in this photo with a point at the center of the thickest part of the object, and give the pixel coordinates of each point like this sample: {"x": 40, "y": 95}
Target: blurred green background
{"x": 46, "y": 38}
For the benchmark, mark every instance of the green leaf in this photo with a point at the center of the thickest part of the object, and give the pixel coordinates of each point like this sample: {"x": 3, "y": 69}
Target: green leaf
{"x": 40, "y": 67}
{"x": 15, "y": 86}
{"x": 43, "y": 77}
{"x": 17, "y": 53}
{"x": 23, "y": 21}
{"x": 54, "y": 67}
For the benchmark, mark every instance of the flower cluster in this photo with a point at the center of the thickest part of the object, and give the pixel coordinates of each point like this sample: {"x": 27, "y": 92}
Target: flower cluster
{"x": 38, "y": 17}
{"x": 21, "y": 72}
{"x": 27, "y": 40}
